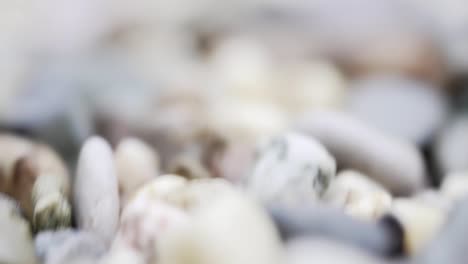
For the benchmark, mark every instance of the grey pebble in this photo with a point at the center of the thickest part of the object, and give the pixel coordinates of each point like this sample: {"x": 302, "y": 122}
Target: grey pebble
{"x": 394, "y": 163}
{"x": 383, "y": 238}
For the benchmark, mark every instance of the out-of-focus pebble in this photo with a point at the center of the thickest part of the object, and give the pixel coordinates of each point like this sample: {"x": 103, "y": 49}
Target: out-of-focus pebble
{"x": 449, "y": 243}
{"x": 211, "y": 237}
{"x": 420, "y": 112}
{"x": 316, "y": 250}
{"x": 310, "y": 85}
{"x": 382, "y": 238}
{"x": 358, "y": 196}
{"x": 451, "y": 145}
{"x": 291, "y": 169}
{"x": 36, "y": 176}
{"x": 430, "y": 197}
{"x": 16, "y": 245}
{"x": 66, "y": 246}
{"x": 394, "y": 163}
{"x": 96, "y": 198}
{"x": 455, "y": 186}
{"x": 136, "y": 164}
{"x": 420, "y": 222}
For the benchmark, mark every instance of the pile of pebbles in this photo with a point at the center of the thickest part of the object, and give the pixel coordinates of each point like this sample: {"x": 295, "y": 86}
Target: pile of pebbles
{"x": 241, "y": 132}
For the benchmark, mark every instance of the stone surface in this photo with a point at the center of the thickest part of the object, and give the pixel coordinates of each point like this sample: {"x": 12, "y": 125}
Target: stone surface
{"x": 420, "y": 222}
{"x": 421, "y": 107}
{"x": 96, "y": 198}
{"x": 136, "y": 164}
{"x": 291, "y": 169}
{"x": 394, "y": 163}
{"x": 68, "y": 246}
{"x": 455, "y": 186}
{"x": 358, "y": 196}
{"x": 16, "y": 244}
{"x": 383, "y": 238}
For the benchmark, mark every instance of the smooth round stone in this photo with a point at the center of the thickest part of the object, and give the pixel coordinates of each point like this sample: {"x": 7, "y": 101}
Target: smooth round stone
{"x": 291, "y": 169}
{"x": 449, "y": 243}
{"x": 211, "y": 237}
{"x": 392, "y": 162}
{"x": 420, "y": 222}
{"x": 235, "y": 161}
{"x": 319, "y": 250}
{"x": 66, "y": 246}
{"x": 430, "y": 197}
{"x": 358, "y": 196}
{"x": 96, "y": 198}
{"x": 450, "y": 146}
{"x": 136, "y": 164}
{"x": 16, "y": 244}
{"x": 172, "y": 220}
{"x": 382, "y": 238}
{"x": 420, "y": 112}
{"x": 310, "y": 85}
{"x": 455, "y": 186}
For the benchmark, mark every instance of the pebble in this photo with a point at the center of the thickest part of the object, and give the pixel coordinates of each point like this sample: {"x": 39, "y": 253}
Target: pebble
{"x": 455, "y": 186}
{"x": 421, "y": 107}
{"x": 16, "y": 244}
{"x": 38, "y": 179}
{"x": 449, "y": 243}
{"x": 420, "y": 222}
{"x": 316, "y": 250}
{"x": 450, "y": 147}
{"x": 67, "y": 245}
{"x": 310, "y": 85}
{"x": 291, "y": 169}
{"x": 383, "y": 238}
{"x": 96, "y": 198}
{"x": 358, "y": 196}
{"x": 173, "y": 220}
{"x": 136, "y": 164}
{"x": 394, "y": 163}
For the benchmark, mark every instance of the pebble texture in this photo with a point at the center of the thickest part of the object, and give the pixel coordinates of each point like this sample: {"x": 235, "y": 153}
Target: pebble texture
{"x": 291, "y": 169}
{"x": 37, "y": 178}
{"x": 16, "y": 245}
{"x": 420, "y": 112}
{"x": 383, "y": 238}
{"x": 96, "y": 197}
{"x": 136, "y": 164}
{"x": 68, "y": 246}
{"x": 395, "y": 164}
{"x": 358, "y": 196}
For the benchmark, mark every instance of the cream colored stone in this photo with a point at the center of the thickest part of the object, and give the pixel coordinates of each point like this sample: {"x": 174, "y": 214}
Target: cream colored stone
{"x": 455, "y": 186}
{"x": 358, "y": 195}
{"x": 136, "y": 164}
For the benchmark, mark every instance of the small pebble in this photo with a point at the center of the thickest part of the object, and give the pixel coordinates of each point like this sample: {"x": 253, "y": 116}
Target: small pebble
{"x": 136, "y": 164}
{"x": 383, "y": 238}
{"x": 455, "y": 186}
{"x": 419, "y": 221}
{"x": 358, "y": 196}
{"x": 394, "y": 163}
{"x": 16, "y": 244}
{"x": 67, "y": 246}
{"x": 291, "y": 169}
{"x": 96, "y": 198}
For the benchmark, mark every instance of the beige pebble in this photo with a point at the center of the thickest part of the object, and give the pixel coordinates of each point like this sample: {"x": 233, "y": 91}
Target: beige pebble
{"x": 420, "y": 222}
{"x": 96, "y": 197}
{"x": 136, "y": 164}
{"x": 396, "y": 164}
{"x": 291, "y": 169}
{"x": 358, "y": 196}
